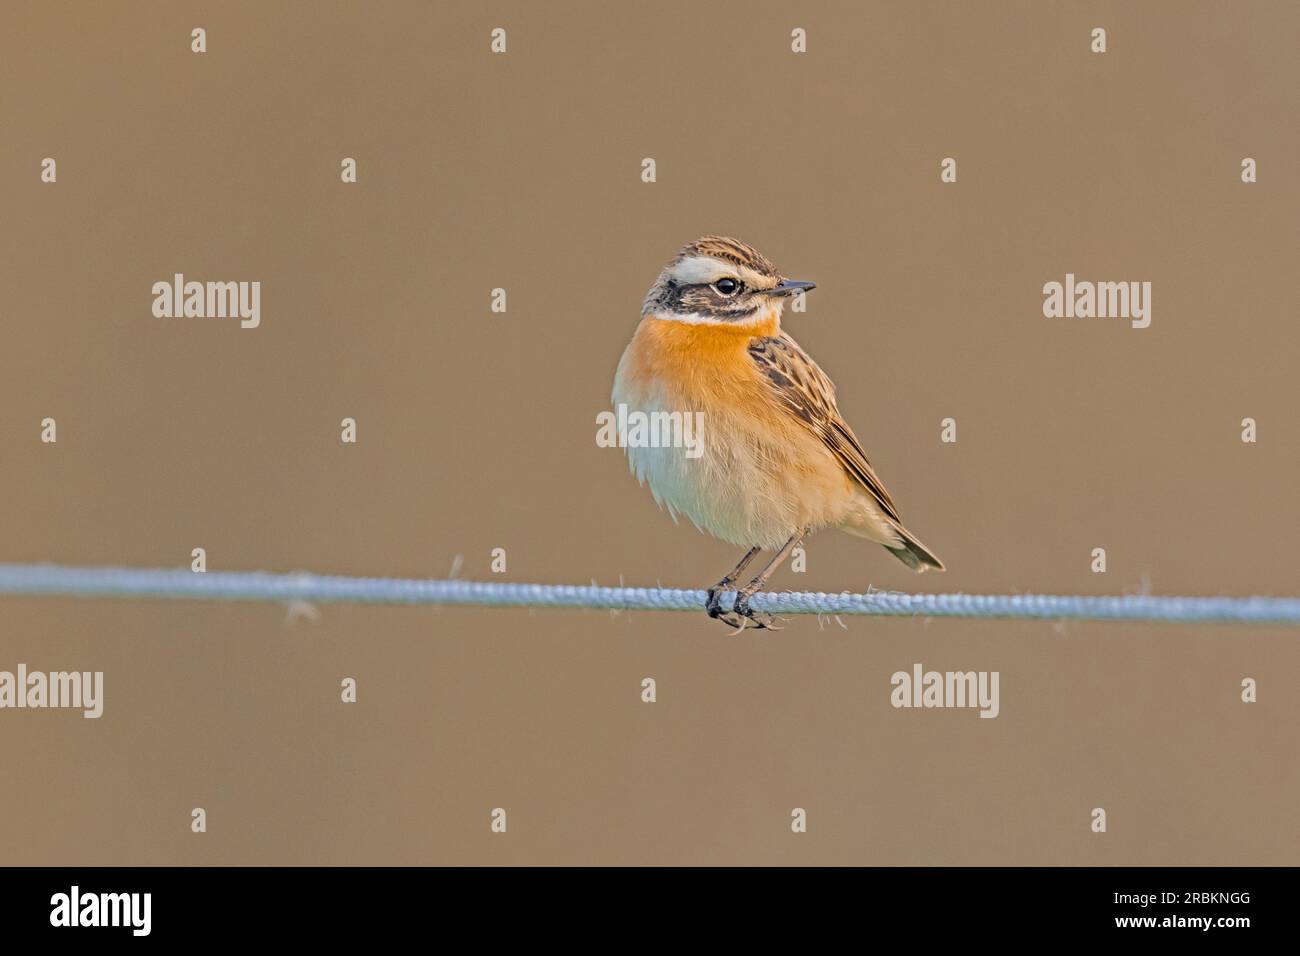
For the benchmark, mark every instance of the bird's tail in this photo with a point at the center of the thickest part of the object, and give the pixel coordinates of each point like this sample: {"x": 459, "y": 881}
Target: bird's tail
{"x": 912, "y": 552}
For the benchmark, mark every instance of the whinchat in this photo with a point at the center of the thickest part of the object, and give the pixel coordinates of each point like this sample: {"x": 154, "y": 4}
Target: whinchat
{"x": 778, "y": 460}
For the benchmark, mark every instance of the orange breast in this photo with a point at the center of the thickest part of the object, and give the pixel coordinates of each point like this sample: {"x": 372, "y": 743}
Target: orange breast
{"x": 688, "y": 364}
{"x": 762, "y": 473}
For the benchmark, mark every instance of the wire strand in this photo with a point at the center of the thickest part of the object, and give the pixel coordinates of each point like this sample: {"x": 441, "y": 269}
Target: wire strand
{"x": 181, "y": 583}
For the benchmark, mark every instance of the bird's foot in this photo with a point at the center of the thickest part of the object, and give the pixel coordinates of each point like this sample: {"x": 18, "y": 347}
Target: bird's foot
{"x": 733, "y": 620}
{"x": 742, "y": 615}
{"x": 714, "y": 604}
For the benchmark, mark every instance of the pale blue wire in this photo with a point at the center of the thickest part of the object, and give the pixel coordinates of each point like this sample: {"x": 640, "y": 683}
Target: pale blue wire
{"x": 61, "y": 580}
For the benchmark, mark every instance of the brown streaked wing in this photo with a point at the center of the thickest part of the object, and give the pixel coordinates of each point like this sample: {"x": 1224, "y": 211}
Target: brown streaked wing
{"x": 806, "y": 391}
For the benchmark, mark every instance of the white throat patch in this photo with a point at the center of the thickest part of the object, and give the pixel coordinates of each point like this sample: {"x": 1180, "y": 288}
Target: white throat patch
{"x": 761, "y": 317}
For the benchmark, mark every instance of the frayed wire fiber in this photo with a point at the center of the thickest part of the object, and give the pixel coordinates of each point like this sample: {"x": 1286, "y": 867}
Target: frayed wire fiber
{"x": 165, "y": 583}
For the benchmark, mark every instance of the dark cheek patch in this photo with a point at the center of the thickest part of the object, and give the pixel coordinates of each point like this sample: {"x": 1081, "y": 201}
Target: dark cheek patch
{"x": 725, "y": 307}
{"x": 747, "y": 312}
{"x": 705, "y": 300}
{"x": 735, "y": 309}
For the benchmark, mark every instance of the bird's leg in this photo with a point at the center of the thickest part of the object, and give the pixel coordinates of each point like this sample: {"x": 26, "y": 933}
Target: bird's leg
{"x": 715, "y": 592}
{"x": 758, "y": 618}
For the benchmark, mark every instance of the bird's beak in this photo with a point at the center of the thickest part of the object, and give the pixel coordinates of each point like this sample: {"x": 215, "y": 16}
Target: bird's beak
{"x": 791, "y": 286}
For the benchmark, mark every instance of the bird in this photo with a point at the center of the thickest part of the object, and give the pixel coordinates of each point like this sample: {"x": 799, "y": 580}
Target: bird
{"x": 777, "y": 461}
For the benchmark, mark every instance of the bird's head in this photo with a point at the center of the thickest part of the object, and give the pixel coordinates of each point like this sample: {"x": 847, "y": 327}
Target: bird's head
{"x": 721, "y": 281}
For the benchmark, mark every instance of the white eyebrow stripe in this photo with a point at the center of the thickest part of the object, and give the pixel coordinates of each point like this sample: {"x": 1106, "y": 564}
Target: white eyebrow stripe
{"x": 694, "y": 270}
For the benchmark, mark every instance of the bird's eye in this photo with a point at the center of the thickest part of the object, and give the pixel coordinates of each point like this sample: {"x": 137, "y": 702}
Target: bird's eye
{"x": 727, "y": 286}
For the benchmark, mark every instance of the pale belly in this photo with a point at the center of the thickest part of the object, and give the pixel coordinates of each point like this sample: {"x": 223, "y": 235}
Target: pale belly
{"x": 756, "y": 480}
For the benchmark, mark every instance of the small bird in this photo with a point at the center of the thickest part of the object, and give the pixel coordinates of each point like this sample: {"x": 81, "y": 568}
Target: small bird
{"x": 777, "y": 460}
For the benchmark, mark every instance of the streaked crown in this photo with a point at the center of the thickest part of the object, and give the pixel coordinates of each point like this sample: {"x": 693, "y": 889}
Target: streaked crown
{"x": 730, "y": 250}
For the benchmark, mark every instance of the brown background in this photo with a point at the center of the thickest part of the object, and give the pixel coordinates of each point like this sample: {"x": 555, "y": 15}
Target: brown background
{"x": 477, "y": 430}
